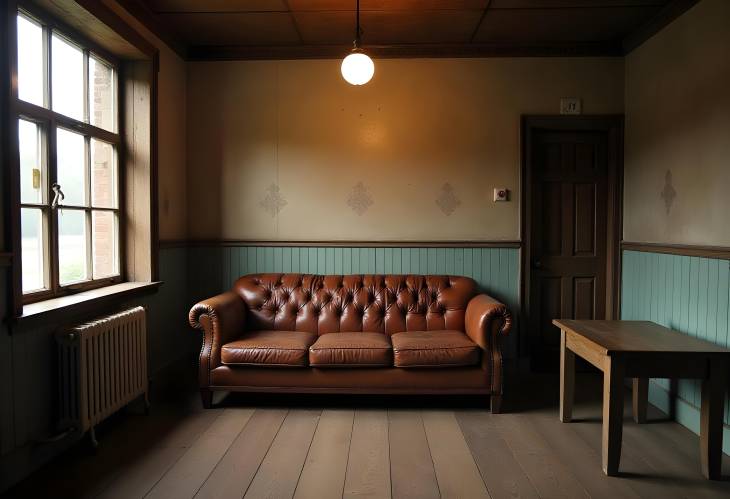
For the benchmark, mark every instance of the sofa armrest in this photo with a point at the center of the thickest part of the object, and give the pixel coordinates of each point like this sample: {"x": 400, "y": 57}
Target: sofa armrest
{"x": 487, "y": 321}
{"x": 222, "y": 319}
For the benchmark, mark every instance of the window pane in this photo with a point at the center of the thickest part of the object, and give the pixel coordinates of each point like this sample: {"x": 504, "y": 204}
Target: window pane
{"x": 71, "y": 161}
{"x": 72, "y": 248}
{"x": 31, "y": 161}
{"x": 32, "y": 248}
{"x": 67, "y": 78}
{"x": 102, "y": 95}
{"x": 103, "y": 174}
{"x": 104, "y": 228}
{"x": 30, "y": 61}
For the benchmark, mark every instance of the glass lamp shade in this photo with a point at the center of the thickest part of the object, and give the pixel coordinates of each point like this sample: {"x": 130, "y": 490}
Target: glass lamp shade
{"x": 357, "y": 68}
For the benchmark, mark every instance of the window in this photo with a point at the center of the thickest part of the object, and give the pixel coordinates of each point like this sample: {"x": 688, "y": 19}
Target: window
{"x": 68, "y": 143}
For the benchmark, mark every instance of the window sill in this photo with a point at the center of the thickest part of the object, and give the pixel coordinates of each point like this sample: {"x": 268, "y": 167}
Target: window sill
{"x": 82, "y": 302}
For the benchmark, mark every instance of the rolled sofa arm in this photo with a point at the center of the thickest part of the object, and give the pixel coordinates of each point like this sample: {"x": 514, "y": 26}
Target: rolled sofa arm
{"x": 222, "y": 319}
{"x": 487, "y": 321}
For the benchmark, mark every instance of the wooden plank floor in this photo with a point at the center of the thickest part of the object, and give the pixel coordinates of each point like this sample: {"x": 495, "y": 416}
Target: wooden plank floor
{"x": 320, "y": 447}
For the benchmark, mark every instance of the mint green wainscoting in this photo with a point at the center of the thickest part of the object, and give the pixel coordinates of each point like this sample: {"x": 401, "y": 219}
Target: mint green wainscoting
{"x": 688, "y": 294}
{"x": 496, "y": 270}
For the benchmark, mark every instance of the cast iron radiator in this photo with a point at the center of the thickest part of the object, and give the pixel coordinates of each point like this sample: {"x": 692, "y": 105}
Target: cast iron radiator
{"x": 102, "y": 366}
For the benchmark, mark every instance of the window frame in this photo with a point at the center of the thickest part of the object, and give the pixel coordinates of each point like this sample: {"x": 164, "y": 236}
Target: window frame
{"x": 49, "y": 122}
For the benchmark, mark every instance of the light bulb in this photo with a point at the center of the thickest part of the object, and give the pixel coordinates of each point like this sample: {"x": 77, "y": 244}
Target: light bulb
{"x": 357, "y": 68}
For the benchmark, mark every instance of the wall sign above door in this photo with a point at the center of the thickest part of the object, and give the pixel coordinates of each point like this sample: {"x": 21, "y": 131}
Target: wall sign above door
{"x": 570, "y": 106}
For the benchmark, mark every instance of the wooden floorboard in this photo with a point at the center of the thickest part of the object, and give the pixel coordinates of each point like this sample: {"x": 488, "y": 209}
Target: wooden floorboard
{"x": 659, "y": 458}
{"x": 236, "y": 470}
{"x": 582, "y": 460}
{"x": 681, "y": 439}
{"x": 668, "y": 462}
{"x": 323, "y": 475}
{"x": 279, "y": 472}
{"x": 549, "y": 476}
{"x": 368, "y": 464}
{"x": 456, "y": 472}
{"x": 263, "y": 450}
{"x": 640, "y": 475}
{"x": 187, "y": 475}
{"x": 411, "y": 466}
{"x": 155, "y": 454}
{"x": 81, "y": 473}
{"x": 503, "y": 475}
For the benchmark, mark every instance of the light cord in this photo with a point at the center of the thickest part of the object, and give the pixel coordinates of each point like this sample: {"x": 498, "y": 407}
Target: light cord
{"x": 357, "y": 24}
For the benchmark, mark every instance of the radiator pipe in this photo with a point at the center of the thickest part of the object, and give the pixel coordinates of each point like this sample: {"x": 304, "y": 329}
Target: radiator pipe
{"x": 55, "y": 438}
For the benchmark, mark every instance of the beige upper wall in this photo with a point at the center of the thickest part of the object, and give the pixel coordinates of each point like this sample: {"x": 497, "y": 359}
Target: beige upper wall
{"x": 171, "y": 116}
{"x": 419, "y": 124}
{"x": 678, "y": 121}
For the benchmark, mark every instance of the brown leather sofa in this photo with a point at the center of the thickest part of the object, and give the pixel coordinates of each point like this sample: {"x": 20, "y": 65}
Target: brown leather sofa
{"x": 369, "y": 334}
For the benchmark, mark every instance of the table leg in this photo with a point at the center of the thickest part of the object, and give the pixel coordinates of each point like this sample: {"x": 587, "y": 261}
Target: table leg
{"x": 711, "y": 414}
{"x": 567, "y": 380}
{"x": 640, "y": 397}
{"x": 613, "y": 412}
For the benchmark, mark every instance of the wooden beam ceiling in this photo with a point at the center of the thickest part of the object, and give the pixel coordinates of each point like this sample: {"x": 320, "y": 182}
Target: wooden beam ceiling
{"x": 283, "y": 29}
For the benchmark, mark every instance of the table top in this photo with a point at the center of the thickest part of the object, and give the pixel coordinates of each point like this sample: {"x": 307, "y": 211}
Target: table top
{"x": 637, "y": 336}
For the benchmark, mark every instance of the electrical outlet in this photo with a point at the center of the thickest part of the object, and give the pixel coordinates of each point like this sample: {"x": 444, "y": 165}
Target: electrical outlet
{"x": 500, "y": 194}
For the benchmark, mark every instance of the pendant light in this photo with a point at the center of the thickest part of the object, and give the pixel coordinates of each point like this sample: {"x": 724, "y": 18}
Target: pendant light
{"x": 357, "y": 68}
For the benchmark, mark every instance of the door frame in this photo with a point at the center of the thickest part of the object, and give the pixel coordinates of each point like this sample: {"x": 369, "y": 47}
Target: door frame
{"x": 614, "y": 125}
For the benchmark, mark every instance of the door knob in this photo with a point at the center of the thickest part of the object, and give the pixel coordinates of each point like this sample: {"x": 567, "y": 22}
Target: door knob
{"x": 537, "y": 264}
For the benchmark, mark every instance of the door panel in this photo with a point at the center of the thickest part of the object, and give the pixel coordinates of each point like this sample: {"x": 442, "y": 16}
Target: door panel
{"x": 585, "y": 158}
{"x": 585, "y": 219}
{"x": 584, "y": 294}
{"x": 568, "y": 233}
{"x": 551, "y": 305}
{"x": 551, "y": 234}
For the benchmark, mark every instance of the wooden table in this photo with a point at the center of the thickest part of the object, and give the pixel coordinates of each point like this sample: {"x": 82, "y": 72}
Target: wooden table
{"x": 643, "y": 350}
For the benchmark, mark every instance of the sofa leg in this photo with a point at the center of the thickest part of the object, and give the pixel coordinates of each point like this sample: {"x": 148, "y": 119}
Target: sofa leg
{"x": 495, "y": 402}
{"x": 206, "y": 396}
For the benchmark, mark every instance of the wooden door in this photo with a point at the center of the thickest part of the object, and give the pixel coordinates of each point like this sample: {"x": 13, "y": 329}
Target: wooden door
{"x": 568, "y": 226}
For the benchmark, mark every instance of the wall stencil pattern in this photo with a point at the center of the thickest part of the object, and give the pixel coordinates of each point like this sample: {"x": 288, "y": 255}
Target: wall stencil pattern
{"x": 668, "y": 192}
{"x": 447, "y": 200}
{"x": 687, "y": 294}
{"x": 273, "y": 202}
{"x": 360, "y": 199}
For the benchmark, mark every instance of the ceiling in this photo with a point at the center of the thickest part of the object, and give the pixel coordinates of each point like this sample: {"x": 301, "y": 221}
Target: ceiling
{"x": 321, "y": 28}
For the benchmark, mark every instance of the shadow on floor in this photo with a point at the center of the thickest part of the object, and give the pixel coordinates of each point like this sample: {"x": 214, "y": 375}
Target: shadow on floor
{"x": 528, "y": 435}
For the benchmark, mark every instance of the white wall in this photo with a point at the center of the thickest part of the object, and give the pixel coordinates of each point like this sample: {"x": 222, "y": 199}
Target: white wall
{"x": 678, "y": 121}
{"x": 419, "y": 124}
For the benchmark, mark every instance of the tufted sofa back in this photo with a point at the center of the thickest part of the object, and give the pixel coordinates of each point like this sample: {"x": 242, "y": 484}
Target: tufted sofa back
{"x": 323, "y": 304}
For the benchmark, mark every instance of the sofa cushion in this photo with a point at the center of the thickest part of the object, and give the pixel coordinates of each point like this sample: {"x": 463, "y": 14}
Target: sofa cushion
{"x": 434, "y": 349}
{"x": 351, "y": 350}
{"x": 269, "y": 348}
